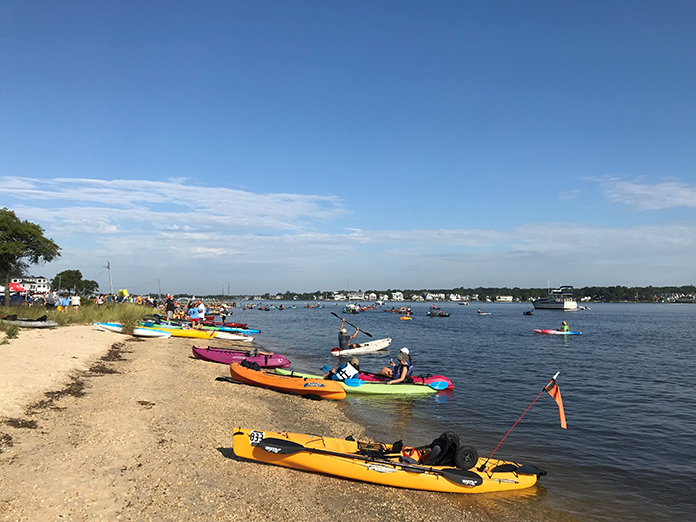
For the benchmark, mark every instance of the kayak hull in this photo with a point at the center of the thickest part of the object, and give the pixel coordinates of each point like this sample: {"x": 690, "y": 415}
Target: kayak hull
{"x": 316, "y": 387}
{"x": 370, "y": 388}
{"x": 221, "y": 356}
{"x": 28, "y": 323}
{"x": 417, "y": 379}
{"x": 345, "y": 462}
{"x": 137, "y": 332}
{"x": 372, "y": 346}
{"x": 555, "y": 332}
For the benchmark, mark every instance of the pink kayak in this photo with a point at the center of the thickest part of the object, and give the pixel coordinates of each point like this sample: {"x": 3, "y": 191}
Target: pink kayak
{"x": 418, "y": 379}
{"x": 219, "y": 355}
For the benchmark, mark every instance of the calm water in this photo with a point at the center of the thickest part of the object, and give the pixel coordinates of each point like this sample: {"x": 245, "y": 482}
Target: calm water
{"x": 628, "y": 386}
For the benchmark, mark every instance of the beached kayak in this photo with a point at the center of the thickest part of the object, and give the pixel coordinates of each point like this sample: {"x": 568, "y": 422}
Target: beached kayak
{"x": 137, "y": 332}
{"x": 386, "y": 464}
{"x": 555, "y": 332}
{"x": 180, "y": 324}
{"x": 372, "y": 346}
{"x": 301, "y": 386}
{"x": 41, "y": 322}
{"x": 361, "y": 387}
{"x": 219, "y": 355}
{"x": 191, "y": 333}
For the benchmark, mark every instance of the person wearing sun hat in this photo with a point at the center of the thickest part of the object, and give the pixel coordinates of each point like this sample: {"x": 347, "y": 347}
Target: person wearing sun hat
{"x": 404, "y": 370}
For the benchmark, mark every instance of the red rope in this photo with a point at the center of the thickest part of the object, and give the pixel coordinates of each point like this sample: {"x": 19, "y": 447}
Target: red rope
{"x": 513, "y": 426}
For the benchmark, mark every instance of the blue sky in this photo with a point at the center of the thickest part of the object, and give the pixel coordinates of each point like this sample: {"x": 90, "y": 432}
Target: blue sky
{"x": 302, "y": 145}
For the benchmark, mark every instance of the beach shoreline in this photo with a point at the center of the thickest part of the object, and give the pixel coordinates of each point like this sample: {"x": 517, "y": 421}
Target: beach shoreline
{"x": 139, "y": 430}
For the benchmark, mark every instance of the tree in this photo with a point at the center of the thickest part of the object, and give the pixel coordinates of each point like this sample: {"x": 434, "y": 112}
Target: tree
{"x": 22, "y": 244}
{"x": 72, "y": 279}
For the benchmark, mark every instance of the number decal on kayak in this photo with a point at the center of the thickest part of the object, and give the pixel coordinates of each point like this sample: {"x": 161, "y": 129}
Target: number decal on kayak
{"x": 255, "y": 437}
{"x": 314, "y": 385}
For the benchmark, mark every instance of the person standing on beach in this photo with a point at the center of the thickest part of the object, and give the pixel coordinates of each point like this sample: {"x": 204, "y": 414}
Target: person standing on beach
{"x": 75, "y": 301}
{"x": 194, "y": 316}
{"x": 169, "y": 307}
{"x": 343, "y": 339}
{"x": 201, "y": 310}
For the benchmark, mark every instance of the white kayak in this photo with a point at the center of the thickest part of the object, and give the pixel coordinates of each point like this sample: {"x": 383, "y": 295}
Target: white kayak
{"x": 372, "y": 346}
{"x": 233, "y": 337}
{"x": 137, "y": 332}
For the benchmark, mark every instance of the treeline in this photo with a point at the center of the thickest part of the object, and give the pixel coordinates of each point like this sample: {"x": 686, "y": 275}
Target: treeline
{"x": 595, "y": 293}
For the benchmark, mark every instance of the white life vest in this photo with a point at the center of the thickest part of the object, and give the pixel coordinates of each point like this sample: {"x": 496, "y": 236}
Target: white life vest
{"x": 345, "y": 371}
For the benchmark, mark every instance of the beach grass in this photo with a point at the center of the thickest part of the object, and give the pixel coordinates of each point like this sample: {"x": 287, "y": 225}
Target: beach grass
{"x": 127, "y": 314}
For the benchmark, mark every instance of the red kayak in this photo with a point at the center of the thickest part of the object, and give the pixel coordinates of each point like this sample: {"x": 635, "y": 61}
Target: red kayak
{"x": 417, "y": 379}
{"x": 219, "y": 355}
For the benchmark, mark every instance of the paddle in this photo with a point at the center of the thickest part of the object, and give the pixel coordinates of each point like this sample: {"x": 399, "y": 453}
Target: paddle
{"x": 287, "y": 447}
{"x": 363, "y": 331}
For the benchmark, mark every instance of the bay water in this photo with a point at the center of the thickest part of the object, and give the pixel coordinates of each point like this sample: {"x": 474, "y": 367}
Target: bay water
{"x": 628, "y": 384}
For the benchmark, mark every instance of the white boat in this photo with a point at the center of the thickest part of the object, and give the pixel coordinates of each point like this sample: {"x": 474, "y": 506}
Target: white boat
{"x": 372, "y": 346}
{"x": 558, "y": 299}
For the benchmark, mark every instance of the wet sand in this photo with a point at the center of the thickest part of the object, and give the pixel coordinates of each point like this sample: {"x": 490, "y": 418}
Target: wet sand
{"x": 127, "y": 429}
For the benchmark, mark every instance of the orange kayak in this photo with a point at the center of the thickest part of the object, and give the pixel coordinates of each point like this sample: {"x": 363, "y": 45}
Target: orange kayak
{"x": 322, "y": 388}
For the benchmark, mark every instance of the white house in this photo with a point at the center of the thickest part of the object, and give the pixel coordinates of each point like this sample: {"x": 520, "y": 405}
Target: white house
{"x": 504, "y": 299}
{"x": 397, "y": 296}
{"x": 35, "y": 285}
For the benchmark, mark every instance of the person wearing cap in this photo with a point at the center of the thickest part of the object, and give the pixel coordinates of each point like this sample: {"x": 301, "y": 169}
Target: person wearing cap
{"x": 344, "y": 339}
{"x": 565, "y": 327}
{"x": 349, "y": 370}
{"x": 404, "y": 371}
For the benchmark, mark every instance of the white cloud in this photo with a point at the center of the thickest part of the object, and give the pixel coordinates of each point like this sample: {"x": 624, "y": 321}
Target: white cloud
{"x": 195, "y": 237}
{"x": 645, "y": 196}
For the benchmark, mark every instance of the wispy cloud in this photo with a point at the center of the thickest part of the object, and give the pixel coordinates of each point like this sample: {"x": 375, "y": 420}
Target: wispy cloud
{"x": 197, "y": 235}
{"x": 647, "y": 196}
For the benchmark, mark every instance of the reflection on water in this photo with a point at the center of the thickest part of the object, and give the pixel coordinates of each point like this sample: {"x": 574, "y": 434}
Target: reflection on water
{"x": 627, "y": 383}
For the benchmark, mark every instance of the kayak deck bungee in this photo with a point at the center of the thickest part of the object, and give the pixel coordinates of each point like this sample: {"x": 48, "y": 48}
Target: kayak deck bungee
{"x": 375, "y": 463}
{"x": 297, "y": 385}
{"x": 555, "y": 332}
{"x": 222, "y": 356}
{"x": 359, "y": 386}
{"x": 372, "y": 346}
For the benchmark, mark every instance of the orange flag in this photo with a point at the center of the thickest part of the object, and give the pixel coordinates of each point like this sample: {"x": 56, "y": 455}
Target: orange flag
{"x": 555, "y": 392}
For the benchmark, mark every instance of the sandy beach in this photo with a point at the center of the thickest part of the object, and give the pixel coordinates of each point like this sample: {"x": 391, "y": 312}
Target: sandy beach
{"x": 100, "y": 426}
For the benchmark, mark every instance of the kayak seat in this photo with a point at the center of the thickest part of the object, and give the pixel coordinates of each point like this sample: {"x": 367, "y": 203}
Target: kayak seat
{"x": 442, "y": 451}
{"x": 251, "y": 365}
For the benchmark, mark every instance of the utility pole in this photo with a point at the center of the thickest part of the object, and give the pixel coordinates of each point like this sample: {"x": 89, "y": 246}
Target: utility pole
{"x": 111, "y": 285}
{"x": 159, "y": 287}
{"x": 228, "y": 288}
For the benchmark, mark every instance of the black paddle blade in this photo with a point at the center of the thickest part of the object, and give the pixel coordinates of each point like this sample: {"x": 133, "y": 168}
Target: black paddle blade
{"x": 462, "y": 476}
{"x": 280, "y": 446}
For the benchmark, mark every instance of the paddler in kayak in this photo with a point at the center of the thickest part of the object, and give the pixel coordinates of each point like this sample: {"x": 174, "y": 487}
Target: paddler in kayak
{"x": 403, "y": 373}
{"x": 565, "y": 327}
{"x": 343, "y": 339}
{"x": 349, "y": 370}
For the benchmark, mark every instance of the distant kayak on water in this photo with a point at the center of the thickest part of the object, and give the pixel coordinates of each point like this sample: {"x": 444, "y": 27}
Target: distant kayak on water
{"x": 555, "y": 332}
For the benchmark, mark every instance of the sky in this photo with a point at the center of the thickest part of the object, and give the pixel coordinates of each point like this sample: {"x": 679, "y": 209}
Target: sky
{"x": 274, "y": 146}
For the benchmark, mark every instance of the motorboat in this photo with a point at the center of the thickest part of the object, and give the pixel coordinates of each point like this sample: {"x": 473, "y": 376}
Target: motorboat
{"x": 558, "y": 299}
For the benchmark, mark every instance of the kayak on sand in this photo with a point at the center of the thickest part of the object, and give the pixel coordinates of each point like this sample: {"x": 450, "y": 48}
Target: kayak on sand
{"x": 556, "y": 332}
{"x": 220, "y": 355}
{"x": 41, "y": 322}
{"x": 372, "y": 346}
{"x": 298, "y": 385}
{"x": 444, "y": 465}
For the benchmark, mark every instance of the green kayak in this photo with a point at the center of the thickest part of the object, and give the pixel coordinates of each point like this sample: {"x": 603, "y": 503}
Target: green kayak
{"x": 370, "y": 388}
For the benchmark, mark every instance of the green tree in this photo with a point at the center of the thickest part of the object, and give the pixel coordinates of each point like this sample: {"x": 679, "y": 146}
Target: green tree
{"x": 22, "y": 244}
{"x": 72, "y": 280}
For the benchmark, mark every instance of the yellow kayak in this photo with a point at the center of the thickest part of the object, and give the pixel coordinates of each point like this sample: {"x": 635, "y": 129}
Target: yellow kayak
{"x": 386, "y": 464}
{"x": 180, "y": 332}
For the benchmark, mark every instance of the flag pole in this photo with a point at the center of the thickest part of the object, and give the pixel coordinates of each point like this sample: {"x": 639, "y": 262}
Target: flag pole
{"x": 483, "y": 466}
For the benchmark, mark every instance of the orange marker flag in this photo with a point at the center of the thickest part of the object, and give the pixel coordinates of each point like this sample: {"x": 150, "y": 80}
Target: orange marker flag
{"x": 555, "y": 392}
